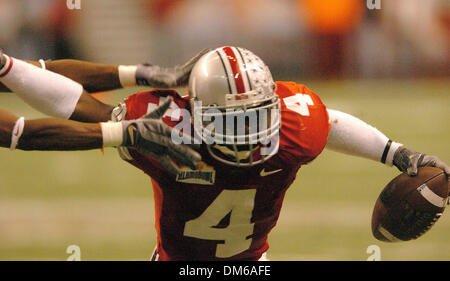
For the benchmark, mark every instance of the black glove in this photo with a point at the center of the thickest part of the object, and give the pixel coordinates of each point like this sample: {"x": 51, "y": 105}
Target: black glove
{"x": 408, "y": 160}
{"x": 166, "y": 77}
{"x": 149, "y": 135}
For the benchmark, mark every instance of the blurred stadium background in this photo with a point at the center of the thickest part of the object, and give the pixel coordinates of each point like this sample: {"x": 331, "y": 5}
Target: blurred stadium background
{"x": 388, "y": 66}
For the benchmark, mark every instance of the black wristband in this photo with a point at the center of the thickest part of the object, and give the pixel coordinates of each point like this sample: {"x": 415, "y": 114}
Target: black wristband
{"x": 386, "y": 151}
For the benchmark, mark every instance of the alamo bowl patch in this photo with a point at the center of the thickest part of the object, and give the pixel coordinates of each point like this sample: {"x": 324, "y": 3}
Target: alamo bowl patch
{"x": 204, "y": 175}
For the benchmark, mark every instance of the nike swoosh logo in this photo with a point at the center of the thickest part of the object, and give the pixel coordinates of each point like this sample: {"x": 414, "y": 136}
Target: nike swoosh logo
{"x": 131, "y": 134}
{"x": 265, "y": 174}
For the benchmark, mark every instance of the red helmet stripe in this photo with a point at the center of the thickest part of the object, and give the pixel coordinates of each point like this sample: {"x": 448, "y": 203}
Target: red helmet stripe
{"x": 231, "y": 56}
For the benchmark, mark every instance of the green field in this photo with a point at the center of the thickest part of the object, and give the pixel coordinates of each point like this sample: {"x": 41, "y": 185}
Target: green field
{"x": 51, "y": 200}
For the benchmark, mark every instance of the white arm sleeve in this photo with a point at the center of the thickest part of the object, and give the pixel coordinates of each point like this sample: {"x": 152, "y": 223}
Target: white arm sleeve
{"x": 353, "y": 136}
{"x": 46, "y": 91}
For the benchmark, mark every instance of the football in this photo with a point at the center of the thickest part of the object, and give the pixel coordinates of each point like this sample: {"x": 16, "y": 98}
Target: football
{"x": 409, "y": 206}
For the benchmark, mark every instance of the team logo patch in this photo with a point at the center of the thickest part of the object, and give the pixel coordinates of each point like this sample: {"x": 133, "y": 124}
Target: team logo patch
{"x": 204, "y": 175}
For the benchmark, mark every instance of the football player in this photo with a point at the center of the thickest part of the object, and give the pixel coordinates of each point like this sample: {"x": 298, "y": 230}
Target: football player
{"x": 225, "y": 209}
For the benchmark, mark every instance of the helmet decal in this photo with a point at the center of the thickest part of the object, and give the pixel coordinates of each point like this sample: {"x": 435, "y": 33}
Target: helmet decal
{"x": 238, "y": 84}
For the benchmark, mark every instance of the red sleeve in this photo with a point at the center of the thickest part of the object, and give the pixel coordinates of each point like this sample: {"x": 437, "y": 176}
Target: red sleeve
{"x": 305, "y": 122}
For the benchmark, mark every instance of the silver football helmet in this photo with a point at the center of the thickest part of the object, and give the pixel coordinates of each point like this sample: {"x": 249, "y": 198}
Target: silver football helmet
{"x": 234, "y": 105}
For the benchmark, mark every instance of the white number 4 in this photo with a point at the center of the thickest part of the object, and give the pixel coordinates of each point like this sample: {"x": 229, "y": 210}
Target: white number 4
{"x": 173, "y": 111}
{"x": 299, "y": 103}
{"x": 240, "y": 203}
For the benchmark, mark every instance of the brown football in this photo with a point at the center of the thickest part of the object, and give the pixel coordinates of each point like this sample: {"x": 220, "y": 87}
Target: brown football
{"x": 409, "y": 206}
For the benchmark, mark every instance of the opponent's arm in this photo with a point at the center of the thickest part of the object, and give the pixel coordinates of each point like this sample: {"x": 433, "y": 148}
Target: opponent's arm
{"x": 48, "y": 133}
{"x": 353, "y": 136}
{"x": 59, "y": 96}
{"x": 149, "y": 135}
{"x": 96, "y": 77}
{"x": 51, "y": 93}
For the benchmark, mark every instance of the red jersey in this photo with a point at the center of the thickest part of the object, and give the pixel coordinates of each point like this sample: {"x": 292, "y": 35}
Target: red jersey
{"x": 231, "y": 218}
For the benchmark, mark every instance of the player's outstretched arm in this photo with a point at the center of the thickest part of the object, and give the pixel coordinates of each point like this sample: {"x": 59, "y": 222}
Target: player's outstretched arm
{"x": 353, "y": 136}
{"x": 96, "y": 77}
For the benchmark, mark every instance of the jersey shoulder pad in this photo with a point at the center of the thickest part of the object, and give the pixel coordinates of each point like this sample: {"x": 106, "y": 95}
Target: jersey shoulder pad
{"x": 304, "y": 119}
{"x": 285, "y": 89}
